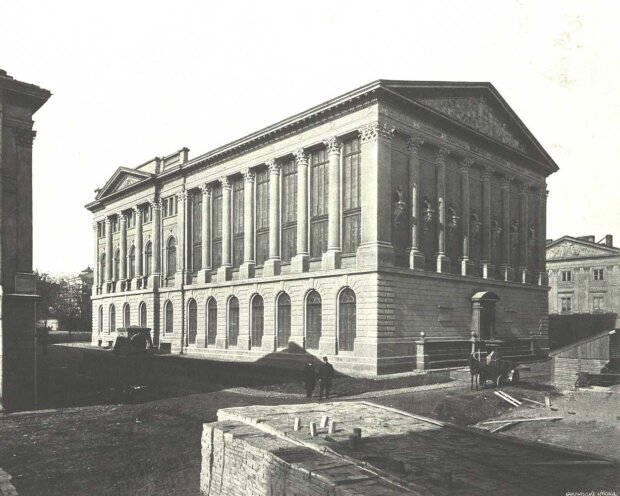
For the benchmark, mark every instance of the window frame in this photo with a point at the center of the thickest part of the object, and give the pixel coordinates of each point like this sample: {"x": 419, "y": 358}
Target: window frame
{"x": 566, "y": 304}
{"x": 598, "y": 274}
{"x": 318, "y": 208}
{"x": 566, "y": 276}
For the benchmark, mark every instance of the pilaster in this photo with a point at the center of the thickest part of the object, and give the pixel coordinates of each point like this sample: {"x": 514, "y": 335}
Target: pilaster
{"x": 138, "y": 244}
{"x": 416, "y": 257}
{"x": 246, "y": 271}
{"x": 331, "y": 258}
{"x": 271, "y": 266}
{"x": 225, "y": 271}
{"x": 488, "y": 271}
{"x": 154, "y": 278}
{"x": 523, "y": 274}
{"x": 300, "y": 262}
{"x": 506, "y": 269}
{"x": 467, "y": 266}
{"x": 204, "y": 274}
{"x": 443, "y": 262}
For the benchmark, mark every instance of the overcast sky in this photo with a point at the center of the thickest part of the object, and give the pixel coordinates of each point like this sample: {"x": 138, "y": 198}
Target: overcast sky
{"x": 132, "y": 80}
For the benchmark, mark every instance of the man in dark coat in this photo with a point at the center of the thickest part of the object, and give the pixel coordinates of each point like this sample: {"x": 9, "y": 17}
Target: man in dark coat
{"x": 309, "y": 376}
{"x": 326, "y": 375}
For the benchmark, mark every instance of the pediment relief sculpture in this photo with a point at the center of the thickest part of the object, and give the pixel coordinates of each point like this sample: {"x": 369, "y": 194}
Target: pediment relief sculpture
{"x": 568, "y": 249}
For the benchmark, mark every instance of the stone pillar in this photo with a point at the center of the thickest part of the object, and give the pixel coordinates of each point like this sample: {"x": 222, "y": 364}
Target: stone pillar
{"x": 204, "y": 275}
{"x": 422, "y": 358}
{"x": 225, "y": 271}
{"x": 416, "y": 257}
{"x": 376, "y": 190}
{"x": 182, "y": 251}
{"x": 487, "y": 267}
{"x": 543, "y": 279}
{"x": 246, "y": 271}
{"x": 154, "y": 278}
{"x": 523, "y": 275}
{"x": 331, "y": 258}
{"x": 272, "y": 264}
{"x": 507, "y": 271}
{"x": 443, "y": 262}
{"x": 96, "y": 267}
{"x": 300, "y": 262}
{"x": 467, "y": 266}
{"x": 139, "y": 255}
{"x": 122, "y": 272}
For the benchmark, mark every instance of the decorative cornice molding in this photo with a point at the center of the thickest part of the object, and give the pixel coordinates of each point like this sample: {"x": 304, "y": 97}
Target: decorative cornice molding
{"x": 414, "y": 144}
{"x": 376, "y": 130}
{"x": 301, "y": 157}
{"x": 333, "y": 145}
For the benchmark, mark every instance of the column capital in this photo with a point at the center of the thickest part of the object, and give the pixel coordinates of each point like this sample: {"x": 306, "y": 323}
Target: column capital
{"x": 225, "y": 182}
{"x": 465, "y": 165}
{"x": 274, "y": 166}
{"x": 301, "y": 157}
{"x": 24, "y": 137}
{"x": 108, "y": 220}
{"x": 333, "y": 144}
{"x": 376, "y": 130}
{"x": 155, "y": 204}
{"x": 249, "y": 175}
{"x": 442, "y": 153}
{"x": 487, "y": 172}
{"x": 414, "y": 143}
{"x": 95, "y": 223}
{"x": 137, "y": 210}
{"x": 182, "y": 195}
{"x": 505, "y": 182}
{"x": 122, "y": 217}
{"x": 524, "y": 188}
{"x": 205, "y": 189}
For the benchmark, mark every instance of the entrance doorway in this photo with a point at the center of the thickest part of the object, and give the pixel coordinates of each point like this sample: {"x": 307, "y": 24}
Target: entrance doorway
{"x": 483, "y": 315}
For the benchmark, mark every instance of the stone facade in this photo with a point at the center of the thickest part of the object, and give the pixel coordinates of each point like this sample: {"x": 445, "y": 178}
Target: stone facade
{"x": 584, "y": 277}
{"x": 359, "y": 229}
{"x": 18, "y": 102}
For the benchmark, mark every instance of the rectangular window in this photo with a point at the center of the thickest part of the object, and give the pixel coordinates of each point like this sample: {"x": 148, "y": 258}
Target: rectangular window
{"x": 567, "y": 276}
{"x": 101, "y": 229}
{"x": 289, "y": 210}
{"x": 567, "y": 303}
{"x": 131, "y": 219}
{"x": 216, "y": 227}
{"x": 169, "y": 206}
{"x": 319, "y": 200}
{"x": 196, "y": 231}
{"x": 599, "y": 275}
{"x": 597, "y": 304}
{"x": 262, "y": 216}
{"x": 237, "y": 202}
{"x": 351, "y": 202}
{"x": 147, "y": 214}
{"x": 114, "y": 224}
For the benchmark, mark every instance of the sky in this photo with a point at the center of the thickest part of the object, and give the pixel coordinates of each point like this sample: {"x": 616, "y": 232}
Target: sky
{"x": 132, "y": 80}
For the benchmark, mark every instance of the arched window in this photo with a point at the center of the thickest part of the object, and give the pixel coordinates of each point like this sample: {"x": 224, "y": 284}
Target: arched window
{"x": 211, "y": 321}
{"x": 347, "y": 321}
{"x": 143, "y": 321}
{"x": 168, "y": 318}
{"x": 100, "y": 322}
{"x": 102, "y": 267}
{"x": 257, "y": 320}
{"x": 126, "y": 315}
{"x": 284, "y": 320}
{"x": 171, "y": 261}
{"x": 148, "y": 259}
{"x": 233, "y": 321}
{"x": 117, "y": 264}
{"x": 192, "y": 321}
{"x": 132, "y": 262}
{"x": 112, "y": 323}
{"x": 314, "y": 320}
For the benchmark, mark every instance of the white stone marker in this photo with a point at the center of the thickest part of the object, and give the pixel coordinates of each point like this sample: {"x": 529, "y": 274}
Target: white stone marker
{"x": 332, "y": 427}
{"x": 297, "y": 424}
{"x": 313, "y": 429}
{"x": 324, "y": 421}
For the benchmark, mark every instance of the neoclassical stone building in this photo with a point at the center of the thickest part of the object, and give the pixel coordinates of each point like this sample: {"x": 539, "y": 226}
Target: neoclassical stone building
{"x": 379, "y": 228}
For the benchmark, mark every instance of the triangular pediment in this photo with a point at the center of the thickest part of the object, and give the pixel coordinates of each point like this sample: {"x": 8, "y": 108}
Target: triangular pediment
{"x": 575, "y": 248}
{"x": 122, "y": 178}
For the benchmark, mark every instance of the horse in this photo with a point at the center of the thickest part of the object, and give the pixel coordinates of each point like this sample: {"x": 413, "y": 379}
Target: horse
{"x": 475, "y": 370}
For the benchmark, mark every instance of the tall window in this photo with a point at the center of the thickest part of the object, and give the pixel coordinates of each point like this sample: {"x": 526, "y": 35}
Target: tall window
{"x": 148, "y": 259}
{"x": 289, "y": 210}
{"x": 168, "y": 316}
{"x": 211, "y": 321}
{"x": 169, "y": 206}
{"x": 196, "y": 232}
{"x": 284, "y": 320}
{"x": 237, "y": 231}
{"x": 130, "y": 219}
{"x": 351, "y": 209}
{"x": 112, "y": 323}
{"x": 567, "y": 276}
{"x": 102, "y": 274}
{"x": 143, "y": 320}
{"x": 100, "y": 322}
{"x": 192, "y": 321}
{"x": 262, "y": 216}
{"x": 117, "y": 262}
{"x": 597, "y": 304}
{"x": 132, "y": 262}
{"x": 101, "y": 229}
{"x": 347, "y": 320}
{"x": 567, "y": 304}
{"x": 147, "y": 214}
{"x": 233, "y": 321}
{"x": 313, "y": 320}
{"x": 257, "y": 320}
{"x": 171, "y": 257}
{"x": 598, "y": 275}
{"x": 216, "y": 229}
{"x": 126, "y": 315}
{"x": 319, "y": 201}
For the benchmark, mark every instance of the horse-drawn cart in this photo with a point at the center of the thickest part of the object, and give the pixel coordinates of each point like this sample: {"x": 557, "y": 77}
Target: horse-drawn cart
{"x": 501, "y": 372}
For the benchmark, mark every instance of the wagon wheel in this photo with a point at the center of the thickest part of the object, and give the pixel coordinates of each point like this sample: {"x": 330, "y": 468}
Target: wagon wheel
{"x": 515, "y": 377}
{"x": 501, "y": 380}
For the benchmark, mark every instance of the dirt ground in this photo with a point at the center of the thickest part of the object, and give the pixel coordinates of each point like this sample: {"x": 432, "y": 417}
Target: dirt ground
{"x": 153, "y": 447}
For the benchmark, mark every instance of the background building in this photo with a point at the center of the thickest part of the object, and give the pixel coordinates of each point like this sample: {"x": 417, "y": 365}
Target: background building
{"x": 18, "y": 102}
{"x": 584, "y": 299}
{"x": 379, "y": 228}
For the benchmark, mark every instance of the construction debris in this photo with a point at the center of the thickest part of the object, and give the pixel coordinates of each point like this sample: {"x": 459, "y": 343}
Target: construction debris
{"x": 522, "y": 420}
{"x": 532, "y": 401}
{"x": 502, "y": 427}
{"x": 507, "y": 398}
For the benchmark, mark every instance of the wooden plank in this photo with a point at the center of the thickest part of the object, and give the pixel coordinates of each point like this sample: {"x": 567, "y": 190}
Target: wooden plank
{"x": 502, "y": 427}
{"x": 522, "y": 420}
{"x": 509, "y": 397}
{"x": 513, "y": 403}
{"x": 532, "y": 401}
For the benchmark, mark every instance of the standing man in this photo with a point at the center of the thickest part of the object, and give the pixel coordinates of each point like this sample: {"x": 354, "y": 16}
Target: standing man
{"x": 309, "y": 379}
{"x": 326, "y": 375}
